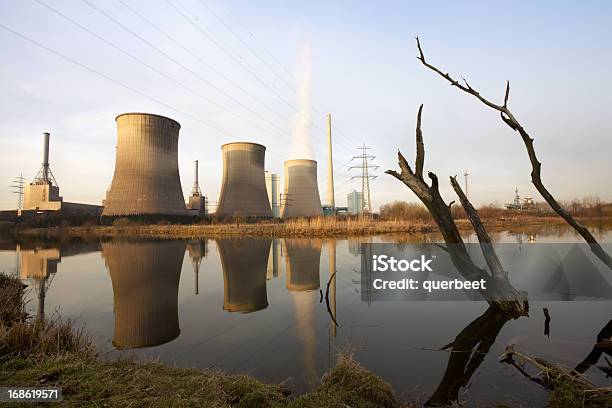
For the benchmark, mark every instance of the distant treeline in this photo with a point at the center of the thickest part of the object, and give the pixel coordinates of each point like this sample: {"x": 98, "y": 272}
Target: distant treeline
{"x": 591, "y": 206}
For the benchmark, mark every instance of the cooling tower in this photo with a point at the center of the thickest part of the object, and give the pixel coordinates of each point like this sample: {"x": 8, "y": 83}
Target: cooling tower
{"x": 146, "y": 179}
{"x": 301, "y": 196}
{"x": 243, "y": 188}
{"x": 302, "y": 259}
{"x": 145, "y": 278}
{"x": 244, "y": 264}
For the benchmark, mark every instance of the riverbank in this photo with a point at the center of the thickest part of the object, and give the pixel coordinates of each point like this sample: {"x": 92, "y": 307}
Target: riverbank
{"x": 52, "y": 353}
{"x": 321, "y": 227}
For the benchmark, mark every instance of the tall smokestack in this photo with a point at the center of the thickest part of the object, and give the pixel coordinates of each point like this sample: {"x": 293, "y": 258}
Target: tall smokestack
{"x": 45, "y": 163}
{"x": 331, "y": 200}
{"x": 196, "y": 184}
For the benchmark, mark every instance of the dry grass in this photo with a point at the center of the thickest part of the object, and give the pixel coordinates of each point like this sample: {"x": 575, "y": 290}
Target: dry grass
{"x": 12, "y": 306}
{"x": 303, "y": 227}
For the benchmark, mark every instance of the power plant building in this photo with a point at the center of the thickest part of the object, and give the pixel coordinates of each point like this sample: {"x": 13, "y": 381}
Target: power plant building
{"x": 355, "y": 202}
{"x": 243, "y": 188}
{"x": 301, "y": 194}
{"x": 272, "y": 186}
{"x": 198, "y": 202}
{"x": 43, "y": 193}
{"x": 146, "y": 179}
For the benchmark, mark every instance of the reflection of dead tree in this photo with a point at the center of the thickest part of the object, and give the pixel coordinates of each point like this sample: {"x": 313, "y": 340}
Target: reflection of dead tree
{"x": 500, "y": 294}
{"x": 602, "y": 346}
{"x": 468, "y": 351}
{"x": 510, "y": 120}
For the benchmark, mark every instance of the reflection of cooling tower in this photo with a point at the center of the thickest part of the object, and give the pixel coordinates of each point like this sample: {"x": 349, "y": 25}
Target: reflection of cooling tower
{"x": 302, "y": 258}
{"x": 243, "y": 189}
{"x": 146, "y": 179}
{"x": 301, "y": 197}
{"x": 145, "y": 277}
{"x": 244, "y": 265}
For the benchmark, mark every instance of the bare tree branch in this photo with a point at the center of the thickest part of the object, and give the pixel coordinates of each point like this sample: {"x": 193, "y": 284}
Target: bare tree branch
{"x": 509, "y": 119}
{"x": 486, "y": 246}
{"x": 500, "y": 294}
{"x": 420, "y": 148}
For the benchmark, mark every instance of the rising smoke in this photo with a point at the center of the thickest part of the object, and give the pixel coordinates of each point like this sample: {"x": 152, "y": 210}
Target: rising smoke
{"x": 302, "y": 121}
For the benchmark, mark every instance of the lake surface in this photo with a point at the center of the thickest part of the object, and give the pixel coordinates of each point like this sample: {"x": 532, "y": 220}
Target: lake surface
{"x": 254, "y": 306}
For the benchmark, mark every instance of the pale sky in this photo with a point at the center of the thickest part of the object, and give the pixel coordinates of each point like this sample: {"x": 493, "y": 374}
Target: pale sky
{"x": 231, "y": 76}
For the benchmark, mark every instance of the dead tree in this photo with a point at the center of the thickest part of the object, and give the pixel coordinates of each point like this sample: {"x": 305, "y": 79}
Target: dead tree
{"x": 509, "y": 119}
{"x": 500, "y": 294}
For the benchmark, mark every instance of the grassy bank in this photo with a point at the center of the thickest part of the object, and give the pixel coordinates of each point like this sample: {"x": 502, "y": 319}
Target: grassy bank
{"x": 319, "y": 227}
{"x": 51, "y": 353}
{"x": 315, "y": 227}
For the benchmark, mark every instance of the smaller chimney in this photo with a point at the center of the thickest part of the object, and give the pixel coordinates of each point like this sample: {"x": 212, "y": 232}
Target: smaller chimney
{"x": 195, "y": 191}
{"x": 45, "y": 163}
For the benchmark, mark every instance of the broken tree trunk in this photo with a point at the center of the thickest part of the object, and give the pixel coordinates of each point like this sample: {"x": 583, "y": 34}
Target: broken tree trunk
{"x": 509, "y": 119}
{"x": 500, "y": 294}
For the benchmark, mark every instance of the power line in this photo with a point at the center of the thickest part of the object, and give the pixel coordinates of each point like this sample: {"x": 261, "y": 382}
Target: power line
{"x": 197, "y": 57}
{"x": 108, "y": 78}
{"x": 246, "y": 44}
{"x": 229, "y": 54}
{"x": 144, "y": 63}
{"x": 152, "y": 46}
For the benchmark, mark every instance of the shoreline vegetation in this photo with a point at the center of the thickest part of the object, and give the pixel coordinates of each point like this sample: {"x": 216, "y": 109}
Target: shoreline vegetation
{"x": 319, "y": 227}
{"x": 51, "y": 352}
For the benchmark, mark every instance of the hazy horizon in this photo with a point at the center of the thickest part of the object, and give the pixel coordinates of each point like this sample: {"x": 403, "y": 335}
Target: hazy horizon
{"x": 230, "y": 71}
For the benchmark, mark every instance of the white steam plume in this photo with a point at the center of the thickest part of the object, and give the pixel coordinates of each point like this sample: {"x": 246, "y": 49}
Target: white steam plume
{"x": 302, "y": 121}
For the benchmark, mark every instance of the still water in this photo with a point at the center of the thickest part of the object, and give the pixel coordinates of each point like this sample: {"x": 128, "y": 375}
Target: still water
{"x": 254, "y": 306}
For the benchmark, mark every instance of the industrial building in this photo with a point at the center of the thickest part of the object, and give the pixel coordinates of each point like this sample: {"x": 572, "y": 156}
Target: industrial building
{"x": 243, "y": 187}
{"x": 244, "y": 264}
{"x": 272, "y": 186}
{"x": 355, "y": 202}
{"x": 198, "y": 202}
{"x": 301, "y": 194}
{"x": 146, "y": 179}
{"x": 43, "y": 194}
{"x": 302, "y": 259}
{"x": 145, "y": 278}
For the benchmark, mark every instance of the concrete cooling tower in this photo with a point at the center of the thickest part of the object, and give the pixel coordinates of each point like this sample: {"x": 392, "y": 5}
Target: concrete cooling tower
{"x": 146, "y": 179}
{"x": 145, "y": 278}
{"x": 243, "y": 188}
{"x": 244, "y": 264}
{"x": 302, "y": 259}
{"x": 301, "y": 196}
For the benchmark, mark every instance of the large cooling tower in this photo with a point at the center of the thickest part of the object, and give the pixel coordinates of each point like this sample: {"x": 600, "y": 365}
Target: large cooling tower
{"x": 145, "y": 278}
{"x": 302, "y": 259}
{"x": 244, "y": 264}
{"x": 146, "y": 179}
{"x": 243, "y": 189}
{"x": 301, "y": 196}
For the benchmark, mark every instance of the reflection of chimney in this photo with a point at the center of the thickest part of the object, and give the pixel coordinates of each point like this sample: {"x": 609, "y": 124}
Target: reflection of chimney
{"x": 244, "y": 265}
{"x": 145, "y": 278}
{"x": 302, "y": 258}
{"x": 332, "y": 284}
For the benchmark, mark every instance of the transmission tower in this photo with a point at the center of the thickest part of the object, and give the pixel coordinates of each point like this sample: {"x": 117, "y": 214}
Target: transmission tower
{"x": 18, "y": 188}
{"x": 466, "y": 174}
{"x": 365, "y": 176}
